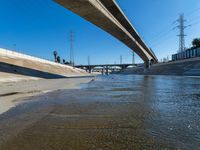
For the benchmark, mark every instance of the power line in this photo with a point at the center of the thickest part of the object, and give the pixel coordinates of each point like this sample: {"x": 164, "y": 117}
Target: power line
{"x": 161, "y": 35}
{"x": 195, "y": 23}
{"x": 195, "y": 20}
{"x": 192, "y": 12}
{"x": 164, "y": 40}
{"x": 155, "y": 40}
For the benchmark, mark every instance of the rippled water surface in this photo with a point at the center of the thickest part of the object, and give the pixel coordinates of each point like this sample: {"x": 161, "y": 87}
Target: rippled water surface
{"x": 110, "y": 113}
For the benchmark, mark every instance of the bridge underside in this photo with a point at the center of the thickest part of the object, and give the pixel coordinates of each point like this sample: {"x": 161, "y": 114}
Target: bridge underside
{"x": 108, "y": 16}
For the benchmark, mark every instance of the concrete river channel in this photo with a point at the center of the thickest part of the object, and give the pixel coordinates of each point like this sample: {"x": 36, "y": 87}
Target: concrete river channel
{"x": 116, "y": 112}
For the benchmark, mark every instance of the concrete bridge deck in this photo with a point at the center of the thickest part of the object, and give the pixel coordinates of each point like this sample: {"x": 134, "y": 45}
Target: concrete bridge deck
{"x": 107, "y": 15}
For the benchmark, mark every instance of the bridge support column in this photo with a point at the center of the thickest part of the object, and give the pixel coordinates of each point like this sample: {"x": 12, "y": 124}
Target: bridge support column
{"x": 106, "y": 70}
{"x": 90, "y": 69}
{"x": 102, "y": 71}
{"x": 124, "y": 67}
{"x": 147, "y": 65}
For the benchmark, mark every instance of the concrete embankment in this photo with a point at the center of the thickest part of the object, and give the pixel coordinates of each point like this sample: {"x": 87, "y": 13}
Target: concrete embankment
{"x": 188, "y": 67}
{"x": 23, "y": 76}
{"x": 26, "y": 67}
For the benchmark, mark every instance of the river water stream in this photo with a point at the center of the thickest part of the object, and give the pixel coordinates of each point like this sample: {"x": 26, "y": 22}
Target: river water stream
{"x": 115, "y": 112}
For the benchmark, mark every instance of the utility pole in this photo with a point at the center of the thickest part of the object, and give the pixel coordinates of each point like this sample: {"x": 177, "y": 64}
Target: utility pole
{"x": 133, "y": 58}
{"x": 121, "y": 59}
{"x": 15, "y": 47}
{"x": 88, "y": 60}
{"x": 89, "y": 67}
{"x": 71, "y": 48}
{"x": 181, "y": 21}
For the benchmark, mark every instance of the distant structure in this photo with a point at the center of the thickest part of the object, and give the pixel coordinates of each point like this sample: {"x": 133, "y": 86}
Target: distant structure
{"x": 121, "y": 59}
{"x": 181, "y": 26}
{"x": 88, "y": 60}
{"x": 133, "y": 58}
{"x": 71, "y": 48}
{"x": 89, "y": 68}
{"x": 187, "y": 54}
{"x": 192, "y": 52}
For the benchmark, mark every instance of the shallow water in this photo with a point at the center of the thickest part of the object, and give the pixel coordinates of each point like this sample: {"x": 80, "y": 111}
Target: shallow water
{"x": 115, "y": 112}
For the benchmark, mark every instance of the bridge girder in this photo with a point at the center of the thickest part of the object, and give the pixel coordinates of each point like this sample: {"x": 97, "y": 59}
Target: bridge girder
{"x": 107, "y": 15}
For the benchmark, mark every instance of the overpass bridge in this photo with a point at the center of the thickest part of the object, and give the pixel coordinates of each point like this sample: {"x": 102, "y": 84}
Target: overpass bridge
{"x": 105, "y": 67}
{"x": 107, "y": 15}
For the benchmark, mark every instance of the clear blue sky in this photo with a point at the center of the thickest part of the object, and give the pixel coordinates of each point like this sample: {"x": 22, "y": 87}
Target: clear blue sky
{"x": 38, "y": 27}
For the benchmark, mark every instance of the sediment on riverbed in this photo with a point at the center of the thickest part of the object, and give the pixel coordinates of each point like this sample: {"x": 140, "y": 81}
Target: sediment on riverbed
{"x": 13, "y": 93}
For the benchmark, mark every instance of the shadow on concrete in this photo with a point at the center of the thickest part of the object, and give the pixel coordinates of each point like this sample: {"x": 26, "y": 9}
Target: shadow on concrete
{"x": 10, "y": 68}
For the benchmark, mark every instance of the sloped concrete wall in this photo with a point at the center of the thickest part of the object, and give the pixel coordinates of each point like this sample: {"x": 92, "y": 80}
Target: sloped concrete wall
{"x": 14, "y": 62}
{"x": 188, "y": 67}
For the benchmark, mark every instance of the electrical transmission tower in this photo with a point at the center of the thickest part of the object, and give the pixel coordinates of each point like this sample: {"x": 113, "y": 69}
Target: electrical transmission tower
{"x": 71, "y": 48}
{"x": 181, "y": 35}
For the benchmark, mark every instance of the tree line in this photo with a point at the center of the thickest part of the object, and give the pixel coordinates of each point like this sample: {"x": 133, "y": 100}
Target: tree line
{"x": 57, "y": 59}
{"x": 196, "y": 43}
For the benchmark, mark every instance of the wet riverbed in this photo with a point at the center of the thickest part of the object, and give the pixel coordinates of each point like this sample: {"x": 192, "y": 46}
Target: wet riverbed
{"x": 111, "y": 113}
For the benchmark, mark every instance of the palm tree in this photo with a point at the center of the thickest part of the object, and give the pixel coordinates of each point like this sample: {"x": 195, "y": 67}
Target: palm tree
{"x": 55, "y": 53}
{"x": 64, "y": 61}
{"x": 196, "y": 42}
{"x": 58, "y": 59}
{"x": 67, "y": 63}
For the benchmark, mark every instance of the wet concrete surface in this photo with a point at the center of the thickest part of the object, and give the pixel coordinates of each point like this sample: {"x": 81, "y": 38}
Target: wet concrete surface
{"x": 111, "y": 113}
